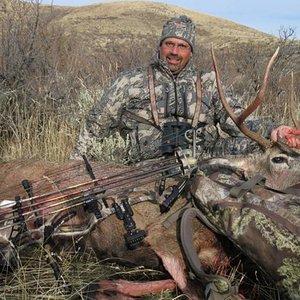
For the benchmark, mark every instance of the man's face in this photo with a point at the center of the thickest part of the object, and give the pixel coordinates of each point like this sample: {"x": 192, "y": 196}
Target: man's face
{"x": 176, "y": 52}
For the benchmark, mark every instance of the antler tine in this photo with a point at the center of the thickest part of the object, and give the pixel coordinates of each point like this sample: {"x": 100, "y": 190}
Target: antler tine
{"x": 238, "y": 120}
{"x": 293, "y": 108}
{"x": 261, "y": 94}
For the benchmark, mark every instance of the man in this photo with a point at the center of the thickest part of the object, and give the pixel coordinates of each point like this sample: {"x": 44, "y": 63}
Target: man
{"x": 157, "y": 106}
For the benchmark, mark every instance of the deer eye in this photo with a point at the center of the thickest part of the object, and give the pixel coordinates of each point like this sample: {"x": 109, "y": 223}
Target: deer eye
{"x": 279, "y": 160}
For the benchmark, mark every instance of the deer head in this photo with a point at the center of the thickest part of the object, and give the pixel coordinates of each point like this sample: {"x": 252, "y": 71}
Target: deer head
{"x": 279, "y": 163}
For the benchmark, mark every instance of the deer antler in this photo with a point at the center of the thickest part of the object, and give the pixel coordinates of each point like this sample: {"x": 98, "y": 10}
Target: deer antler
{"x": 238, "y": 120}
{"x": 293, "y": 108}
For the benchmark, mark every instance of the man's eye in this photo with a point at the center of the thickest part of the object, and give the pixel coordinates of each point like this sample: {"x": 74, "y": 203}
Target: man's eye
{"x": 169, "y": 44}
{"x": 183, "y": 47}
{"x": 180, "y": 46}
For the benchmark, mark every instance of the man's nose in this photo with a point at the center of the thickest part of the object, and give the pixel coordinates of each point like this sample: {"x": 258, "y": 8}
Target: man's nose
{"x": 175, "y": 49}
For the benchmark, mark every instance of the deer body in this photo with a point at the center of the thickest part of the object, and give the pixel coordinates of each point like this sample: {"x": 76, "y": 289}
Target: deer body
{"x": 161, "y": 243}
{"x": 106, "y": 237}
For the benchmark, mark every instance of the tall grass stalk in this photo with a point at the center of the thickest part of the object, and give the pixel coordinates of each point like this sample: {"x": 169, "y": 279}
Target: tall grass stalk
{"x": 42, "y": 129}
{"x": 36, "y": 133}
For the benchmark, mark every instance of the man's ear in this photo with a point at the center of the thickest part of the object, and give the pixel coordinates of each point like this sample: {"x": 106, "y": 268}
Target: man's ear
{"x": 158, "y": 52}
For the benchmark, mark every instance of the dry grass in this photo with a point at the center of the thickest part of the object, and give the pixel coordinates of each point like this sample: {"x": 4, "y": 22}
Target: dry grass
{"x": 34, "y": 131}
{"x": 35, "y": 279}
{"x": 49, "y": 142}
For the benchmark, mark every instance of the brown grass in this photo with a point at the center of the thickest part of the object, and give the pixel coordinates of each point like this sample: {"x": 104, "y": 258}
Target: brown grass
{"x": 34, "y": 279}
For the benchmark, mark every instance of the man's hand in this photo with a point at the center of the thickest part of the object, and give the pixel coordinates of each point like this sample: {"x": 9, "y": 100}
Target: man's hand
{"x": 291, "y": 135}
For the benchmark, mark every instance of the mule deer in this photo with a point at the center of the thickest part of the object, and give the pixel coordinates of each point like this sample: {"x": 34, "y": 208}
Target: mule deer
{"x": 146, "y": 215}
{"x": 56, "y": 194}
{"x": 279, "y": 163}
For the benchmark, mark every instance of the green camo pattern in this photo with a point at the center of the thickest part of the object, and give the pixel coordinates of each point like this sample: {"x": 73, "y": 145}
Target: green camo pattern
{"x": 176, "y": 100}
{"x": 264, "y": 236}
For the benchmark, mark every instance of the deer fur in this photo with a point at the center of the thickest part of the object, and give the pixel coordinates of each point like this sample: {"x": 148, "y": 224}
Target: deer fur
{"x": 107, "y": 237}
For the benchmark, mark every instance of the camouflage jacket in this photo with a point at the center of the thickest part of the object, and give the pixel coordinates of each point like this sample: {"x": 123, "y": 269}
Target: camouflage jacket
{"x": 262, "y": 223}
{"x": 125, "y": 108}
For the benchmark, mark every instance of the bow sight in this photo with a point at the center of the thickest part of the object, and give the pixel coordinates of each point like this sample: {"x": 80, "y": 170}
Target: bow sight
{"x": 133, "y": 237}
{"x": 188, "y": 166}
{"x": 173, "y": 137}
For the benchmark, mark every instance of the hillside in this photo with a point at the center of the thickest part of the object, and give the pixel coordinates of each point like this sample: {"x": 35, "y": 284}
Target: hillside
{"x": 124, "y": 22}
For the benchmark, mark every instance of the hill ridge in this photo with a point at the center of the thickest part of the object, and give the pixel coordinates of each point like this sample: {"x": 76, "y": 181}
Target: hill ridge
{"x": 133, "y": 20}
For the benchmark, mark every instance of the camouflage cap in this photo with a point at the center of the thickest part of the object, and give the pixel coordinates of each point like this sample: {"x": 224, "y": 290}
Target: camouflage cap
{"x": 179, "y": 27}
